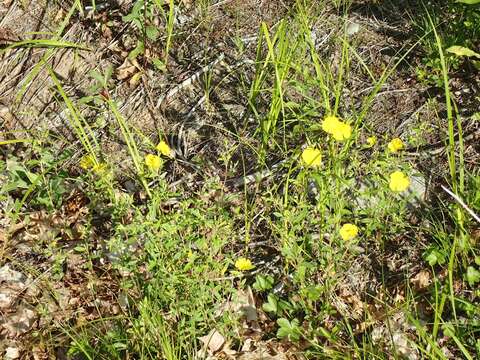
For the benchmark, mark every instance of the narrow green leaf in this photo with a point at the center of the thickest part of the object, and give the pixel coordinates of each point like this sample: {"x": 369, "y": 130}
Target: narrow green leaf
{"x": 469, "y": 2}
{"x": 42, "y": 43}
{"x": 462, "y": 51}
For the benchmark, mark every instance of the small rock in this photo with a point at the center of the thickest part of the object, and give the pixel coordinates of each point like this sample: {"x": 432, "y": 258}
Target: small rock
{"x": 365, "y": 196}
{"x": 7, "y": 298}
{"x": 9, "y": 275}
{"x": 418, "y": 188}
{"x": 352, "y": 28}
{"x": 130, "y": 186}
{"x": 12, "y": 353}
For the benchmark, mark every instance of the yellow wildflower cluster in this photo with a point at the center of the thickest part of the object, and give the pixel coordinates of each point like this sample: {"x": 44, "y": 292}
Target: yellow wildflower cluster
{"x": 154, "y": 162}
{"x": 337, "y": 128}
{"x": 312, "y": 157}
{"x": 244, "y": 264}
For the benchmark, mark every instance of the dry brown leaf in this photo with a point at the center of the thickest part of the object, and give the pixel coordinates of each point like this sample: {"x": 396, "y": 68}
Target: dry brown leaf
{"x": 475, "y": 236}
{"x": 128, "y": 69}
{"x": 60, "y": 15}
{"x": 404, "y": 346}
{"x": 228, "y": 351}
{"x": 124, "y": 73}
{"x": 213, "y": 342}
{"x": 19, "y": 322}
{"x": 265, "y": 351}
{"x": 248, "y": 346}
{"x": 7, "y": 298}
{"x": 7, "y": 36}
{"x": 422, "y": 280}
{"x": 135, "y": 79}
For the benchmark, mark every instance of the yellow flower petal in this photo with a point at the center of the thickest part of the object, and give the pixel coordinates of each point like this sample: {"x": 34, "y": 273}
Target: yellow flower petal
{"x": 399, "y": 181}
{"x": 153, "y": 162}
{"x": 348, "y": 231}
{"x": 395, "y": 145}
{"x": 342, "y": 132}
{"x": 164, "y": 149}
{"x": 244, "y": 264}
{"x": 312, "y": 157}
{"x": 100, "y": 168}
{"x": 371, "y": 141}
{"x": 337, "y": 128}
{"x": 330, "y": 124}
{"x": 87, "y": 162}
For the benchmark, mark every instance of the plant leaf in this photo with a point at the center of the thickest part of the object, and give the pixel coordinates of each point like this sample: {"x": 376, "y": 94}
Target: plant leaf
{"x": 469, "y": 2}
{"x": 462, "y": 51}
{"x": 473, "y": 275}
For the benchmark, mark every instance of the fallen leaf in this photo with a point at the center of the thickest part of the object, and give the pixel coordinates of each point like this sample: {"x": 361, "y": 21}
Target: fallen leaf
{"x": 248, "y": 346}
{"x": 7, "y": 36}
{"x": 7, "y": 298}
{"x": 19, "y": 322}
{"x": 404, "y": 347}
{"x": 214, "y": 341}
{"x": 128, "y": 69}
{"x": 422, "y": 280}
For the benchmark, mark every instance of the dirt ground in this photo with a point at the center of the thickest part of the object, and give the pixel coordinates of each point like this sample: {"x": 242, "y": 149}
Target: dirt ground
{"x": 198, "y": 115}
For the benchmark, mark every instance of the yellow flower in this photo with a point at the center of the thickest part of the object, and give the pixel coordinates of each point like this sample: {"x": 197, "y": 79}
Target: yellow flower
{"x": 348, "y": 231}
{"x": 342, "y": 132}
{"x": 312, "y": 157}
{"x": 399, "y": 181}
{"x": 337, "y": 128}
{"x": 244, "y": 264}
{"x": 87, "y": 162}
{"x": 395, "y": 145}
{"x": 99, "y": 168}
{"x": 153, "y": 162}
{"x": 371, "y": 140}
{"x": 330, "y": 123}
{"x": 164, "y": 148}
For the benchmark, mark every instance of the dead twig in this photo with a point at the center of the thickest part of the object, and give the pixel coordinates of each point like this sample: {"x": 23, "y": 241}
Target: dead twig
{"x": 460, "y": 201}
{"x": 189, "y": 81}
